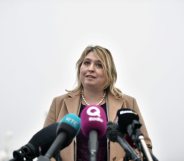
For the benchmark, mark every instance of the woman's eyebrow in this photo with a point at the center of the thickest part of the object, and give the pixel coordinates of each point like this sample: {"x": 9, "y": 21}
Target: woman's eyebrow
{"x": 98, "y": 61}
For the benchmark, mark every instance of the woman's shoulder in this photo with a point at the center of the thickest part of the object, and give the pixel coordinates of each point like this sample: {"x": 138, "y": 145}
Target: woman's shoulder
{"x": 123, "y": 96}
{"x": 60, "y": 97}
{"x": 127, "y": 97}
{"x": 129, "y": 101}
{"x": 65, "y": 96}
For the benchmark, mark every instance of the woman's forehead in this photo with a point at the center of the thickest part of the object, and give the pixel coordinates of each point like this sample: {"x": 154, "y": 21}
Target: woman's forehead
{"x": 93, "y": 55}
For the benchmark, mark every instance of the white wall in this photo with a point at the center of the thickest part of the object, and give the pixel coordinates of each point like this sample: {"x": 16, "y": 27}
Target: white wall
{"x": 40, "y": 41}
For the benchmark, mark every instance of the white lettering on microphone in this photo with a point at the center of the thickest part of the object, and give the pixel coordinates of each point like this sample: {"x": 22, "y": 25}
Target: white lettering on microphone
{"x": 95, "y": 119}
{"x": 72, "y": 121}
{"x": 93, "y": 111}
{"x": 94, "y": 114}
{"x": 124, "y": 112}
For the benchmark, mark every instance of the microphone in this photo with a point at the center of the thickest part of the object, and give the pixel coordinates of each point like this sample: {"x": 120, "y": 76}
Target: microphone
{"x": 93, "y": 126}
{"x": 38, "y": 144}
{"x": 67, "y": 129}
{"x": 114, "y": 135}
{"x": 128, "y": 122}
{"x": 125, "y": 120}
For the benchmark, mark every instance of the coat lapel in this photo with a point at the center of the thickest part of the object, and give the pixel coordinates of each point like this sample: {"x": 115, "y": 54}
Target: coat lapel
{"x": 113, "y": 105}
{"x": 73, "y": 102}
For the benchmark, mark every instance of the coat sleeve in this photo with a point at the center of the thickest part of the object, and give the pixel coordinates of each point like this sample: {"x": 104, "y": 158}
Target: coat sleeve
{"x": 57, "y": 107}
{"x": 51, "y": 115}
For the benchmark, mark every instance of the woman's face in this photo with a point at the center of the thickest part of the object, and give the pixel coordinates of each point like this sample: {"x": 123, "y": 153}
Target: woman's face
{"x": 92, "y": 72}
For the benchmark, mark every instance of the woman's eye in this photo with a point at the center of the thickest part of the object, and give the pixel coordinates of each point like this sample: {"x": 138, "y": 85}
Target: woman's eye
{"x": 99, "y": 65}
{"x": 86, "y": 62}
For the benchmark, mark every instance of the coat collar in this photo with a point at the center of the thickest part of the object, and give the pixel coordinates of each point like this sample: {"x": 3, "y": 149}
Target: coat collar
{"x": 113, "y": 104}
{"x": 73, "y": 103}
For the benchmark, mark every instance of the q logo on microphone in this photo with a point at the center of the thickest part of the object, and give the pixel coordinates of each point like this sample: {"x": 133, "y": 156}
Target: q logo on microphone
{"x": 93, "y": 117}
{"x": 94, "y": 114}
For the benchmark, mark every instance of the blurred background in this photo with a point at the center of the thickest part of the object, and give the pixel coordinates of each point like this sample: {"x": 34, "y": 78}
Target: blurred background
{"x": 41, "y": 40}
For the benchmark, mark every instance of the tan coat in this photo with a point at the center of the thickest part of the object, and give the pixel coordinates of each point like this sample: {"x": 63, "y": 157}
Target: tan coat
{"x": 70, "y": 103}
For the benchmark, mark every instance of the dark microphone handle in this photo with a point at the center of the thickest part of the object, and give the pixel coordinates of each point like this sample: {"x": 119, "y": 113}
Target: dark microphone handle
{"x": 57, "y": 144}
{"x": 93, "y": 145}
{"x": 43, "y": 158}
{"x": 128, "y": 149}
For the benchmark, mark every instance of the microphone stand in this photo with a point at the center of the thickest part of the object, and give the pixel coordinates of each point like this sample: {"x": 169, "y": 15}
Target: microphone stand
{"x": 134, "y": 132}
{"x": 145, "y": 148}
{"x": 130, "y": 153}
{"x": 148, "y": 154}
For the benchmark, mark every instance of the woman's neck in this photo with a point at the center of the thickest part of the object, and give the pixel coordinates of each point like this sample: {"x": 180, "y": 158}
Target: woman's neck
{"x": 93, "y": 97}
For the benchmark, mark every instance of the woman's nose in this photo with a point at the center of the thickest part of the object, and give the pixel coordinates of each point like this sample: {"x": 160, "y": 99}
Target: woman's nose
{"x": 91, "y": 66}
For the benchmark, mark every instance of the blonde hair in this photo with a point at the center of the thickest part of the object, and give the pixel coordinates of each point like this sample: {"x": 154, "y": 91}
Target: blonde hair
{"x": 108, "y": 66}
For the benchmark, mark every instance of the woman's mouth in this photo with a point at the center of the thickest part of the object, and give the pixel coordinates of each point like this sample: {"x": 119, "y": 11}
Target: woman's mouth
{"x": 90, "y": 76}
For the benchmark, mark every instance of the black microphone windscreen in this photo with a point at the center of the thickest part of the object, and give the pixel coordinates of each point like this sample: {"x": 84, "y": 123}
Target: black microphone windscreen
{"x": 44, "y": 138}
{"x": 112, "y": 131}
{"x": 125, "y": 118}
{"x": 38, "y": 144}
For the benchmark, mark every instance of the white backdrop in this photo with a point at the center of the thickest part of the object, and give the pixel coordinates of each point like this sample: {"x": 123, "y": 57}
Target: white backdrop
{"x": 40, "y": 41}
